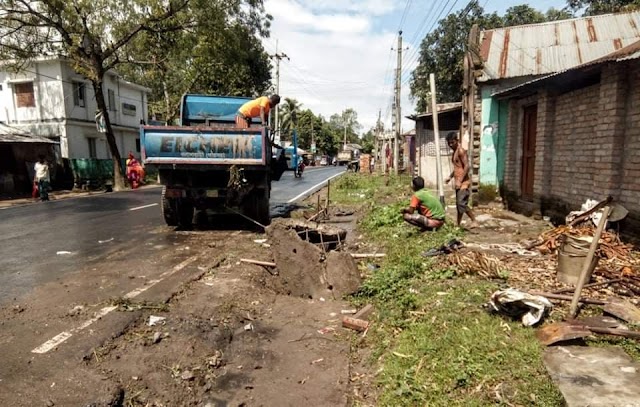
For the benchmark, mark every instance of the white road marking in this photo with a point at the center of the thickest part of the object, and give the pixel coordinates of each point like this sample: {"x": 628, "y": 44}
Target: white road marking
{"x": 143, "y": 207}
{"x": 63, "y": 336}
{"x": 313, "y": 188}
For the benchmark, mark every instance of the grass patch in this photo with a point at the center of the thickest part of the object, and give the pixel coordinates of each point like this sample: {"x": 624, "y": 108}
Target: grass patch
{"x": 432, "y": 337}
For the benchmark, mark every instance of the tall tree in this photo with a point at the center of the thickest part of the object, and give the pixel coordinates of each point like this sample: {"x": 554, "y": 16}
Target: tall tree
{"x": 221, "y": 53}
{"x": 442, "y": 51}
{"x": 522, "y": 14}
{"x": 94, "y": 36}
{"x": 288, "y": 110}
{"x": 595, "y": 7}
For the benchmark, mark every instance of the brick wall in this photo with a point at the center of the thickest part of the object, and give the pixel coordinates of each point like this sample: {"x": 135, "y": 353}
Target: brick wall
{"x": 587, "y": 146}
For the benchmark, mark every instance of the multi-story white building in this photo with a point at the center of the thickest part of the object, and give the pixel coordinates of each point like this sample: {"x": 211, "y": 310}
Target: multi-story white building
{"x": 49, "y": 99}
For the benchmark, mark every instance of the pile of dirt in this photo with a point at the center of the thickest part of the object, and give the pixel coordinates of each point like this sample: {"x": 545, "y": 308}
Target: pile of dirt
{"x": 305, "y": 269}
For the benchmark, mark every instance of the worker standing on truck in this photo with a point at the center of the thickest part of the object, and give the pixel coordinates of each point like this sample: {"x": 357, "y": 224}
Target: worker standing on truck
{"x": 259, "y": 107}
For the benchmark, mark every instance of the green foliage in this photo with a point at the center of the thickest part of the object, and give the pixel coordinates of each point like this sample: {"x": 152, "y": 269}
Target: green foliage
{"x": 486, "y": 193}
{"x": 435, "y": 343}
{"x": 595, "y": 7}
{"x": 288, "y": 110}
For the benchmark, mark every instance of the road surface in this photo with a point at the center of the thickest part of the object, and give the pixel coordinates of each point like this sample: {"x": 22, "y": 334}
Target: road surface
{"x": 40, "y": 243}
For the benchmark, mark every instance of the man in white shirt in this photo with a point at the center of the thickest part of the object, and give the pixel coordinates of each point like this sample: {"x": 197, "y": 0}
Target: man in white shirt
{"x": 42, "y": 178}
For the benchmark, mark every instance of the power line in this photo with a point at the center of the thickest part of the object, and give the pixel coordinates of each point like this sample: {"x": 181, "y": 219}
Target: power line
{"x": 404, "y": 14}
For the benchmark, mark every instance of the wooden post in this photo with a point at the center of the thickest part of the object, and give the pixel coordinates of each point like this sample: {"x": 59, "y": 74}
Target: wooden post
{"x": 436, "y": 137}
{"x": 587, "y": 261}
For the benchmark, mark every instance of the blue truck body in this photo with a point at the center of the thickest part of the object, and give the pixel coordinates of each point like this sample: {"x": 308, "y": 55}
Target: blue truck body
{"x": 208, "y": 163}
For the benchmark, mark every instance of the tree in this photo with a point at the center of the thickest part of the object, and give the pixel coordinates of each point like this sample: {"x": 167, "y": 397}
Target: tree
{"x": 554, "y": 14}
{"x": 221, "y": 53}
{"x": 522, "y": 14}
{"x": 93, "y": 35}
{"x": 442, "y": 51}
{"x": 288, "y": 110}
{"x": 368, "y": 141}
{"x": 308, "y": 128}
{"x": 595, "y": 7}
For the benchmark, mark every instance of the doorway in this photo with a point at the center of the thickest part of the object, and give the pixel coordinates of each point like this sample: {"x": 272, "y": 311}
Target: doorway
{"x": 529, "y": 129}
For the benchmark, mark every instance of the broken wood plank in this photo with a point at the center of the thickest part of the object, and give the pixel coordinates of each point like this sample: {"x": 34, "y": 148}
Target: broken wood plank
{"x": 624, "y": 310}
{"x": 258, "y": 262}
{"x": 364, "y": 312}
{"x": 367, "y": 255}
{"x": 591, "y": 285}
{"x": 354, "y": 323}
{"x": 567, "y": 297}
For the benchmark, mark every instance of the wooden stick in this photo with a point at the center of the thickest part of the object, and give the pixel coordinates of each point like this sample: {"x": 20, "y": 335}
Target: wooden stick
{"x": 567, "y": 298}
{"x": 367, "y": 255}
{"x": 584, "y": 215}
{"x": 258, "y": 262}
{"x": 612, "y": 331}
{"x": 364, "y": 312}
{"x": 566, "y": 290}
{"x": 573, "y": 311}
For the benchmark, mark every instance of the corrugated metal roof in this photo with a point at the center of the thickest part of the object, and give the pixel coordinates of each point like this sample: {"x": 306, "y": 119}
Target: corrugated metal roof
{"x": 539, "y": 49}
{"x": 10, "y": 134}
{"x": 627, "y": 53}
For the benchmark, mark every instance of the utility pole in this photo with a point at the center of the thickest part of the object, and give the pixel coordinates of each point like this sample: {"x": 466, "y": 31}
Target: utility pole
{"x": 397, "y": 111}
{"x": 436, "y": 137}
{"x": 278, "y": 57}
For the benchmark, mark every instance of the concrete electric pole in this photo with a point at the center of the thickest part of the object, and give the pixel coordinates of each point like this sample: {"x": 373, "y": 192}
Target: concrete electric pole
{"x": 278, "y": 57}
{"x": 436, "y": 137}
{"x": 397, "y": 111}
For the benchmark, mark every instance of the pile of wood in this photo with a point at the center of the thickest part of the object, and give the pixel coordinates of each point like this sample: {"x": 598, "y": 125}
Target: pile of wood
{"x": 610, "y": 245}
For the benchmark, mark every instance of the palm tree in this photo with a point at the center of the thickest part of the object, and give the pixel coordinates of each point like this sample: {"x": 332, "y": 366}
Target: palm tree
{"x": 288, "y": 111}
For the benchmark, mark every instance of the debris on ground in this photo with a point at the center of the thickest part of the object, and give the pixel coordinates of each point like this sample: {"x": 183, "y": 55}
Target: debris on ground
{"x": 517, "y": 304}
{"x": 155, "y": 320}
{"x": 359, "y": 321}
{"x": 478, "y": 263}
{"x": 452, "y": 246}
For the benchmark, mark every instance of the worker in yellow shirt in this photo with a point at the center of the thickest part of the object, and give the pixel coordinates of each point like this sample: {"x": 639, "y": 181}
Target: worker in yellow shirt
{"x": 259, "y": 107}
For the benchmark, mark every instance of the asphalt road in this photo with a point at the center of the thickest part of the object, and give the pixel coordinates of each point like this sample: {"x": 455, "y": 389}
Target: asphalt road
{"x": 40, "y": 243}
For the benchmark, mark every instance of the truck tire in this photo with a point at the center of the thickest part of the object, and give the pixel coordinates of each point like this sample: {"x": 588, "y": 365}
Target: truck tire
{"x": 258, "y": 207}
{"x": 168, "y": 210}
{"x": 185, "y": 212}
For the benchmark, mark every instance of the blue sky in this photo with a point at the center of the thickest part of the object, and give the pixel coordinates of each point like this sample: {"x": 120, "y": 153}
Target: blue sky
{"x": 340, "y": 50}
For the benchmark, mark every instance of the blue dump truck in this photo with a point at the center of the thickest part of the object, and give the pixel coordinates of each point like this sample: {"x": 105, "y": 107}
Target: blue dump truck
{"x": 208, "y": 163}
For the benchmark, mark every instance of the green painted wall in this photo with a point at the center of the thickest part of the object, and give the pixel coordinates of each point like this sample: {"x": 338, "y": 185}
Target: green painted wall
{"x": 492, "y": 139}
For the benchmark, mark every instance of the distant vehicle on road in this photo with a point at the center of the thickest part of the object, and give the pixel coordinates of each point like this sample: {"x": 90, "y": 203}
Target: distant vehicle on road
{"x": 324, "y": 160}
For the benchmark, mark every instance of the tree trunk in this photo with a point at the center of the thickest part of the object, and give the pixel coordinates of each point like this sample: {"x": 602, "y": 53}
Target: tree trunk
{"x": 167, "y": 102}
{"x": 118, "y": 173}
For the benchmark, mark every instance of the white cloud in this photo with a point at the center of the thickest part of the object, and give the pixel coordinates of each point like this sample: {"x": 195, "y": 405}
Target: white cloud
{"x": 337, "y": 60}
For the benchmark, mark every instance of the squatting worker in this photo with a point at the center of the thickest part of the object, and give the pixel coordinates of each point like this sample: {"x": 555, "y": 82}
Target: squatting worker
{"x": 430, "y": 213}
{"x": 460, "y": 175}
{"x": 259, "y": 107}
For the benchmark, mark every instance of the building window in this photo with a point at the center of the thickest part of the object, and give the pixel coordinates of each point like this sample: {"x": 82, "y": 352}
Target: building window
{"x": 111, "y": 96}
{"x": 24, "y": 95}
{"x": 137, "y": 145}
{"x": 92, "y": 147}
{"x": 78, "y": 94}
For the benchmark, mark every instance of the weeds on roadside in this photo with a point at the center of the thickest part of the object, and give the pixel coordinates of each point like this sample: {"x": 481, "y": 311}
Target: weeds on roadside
{"x": 436, "y": 344}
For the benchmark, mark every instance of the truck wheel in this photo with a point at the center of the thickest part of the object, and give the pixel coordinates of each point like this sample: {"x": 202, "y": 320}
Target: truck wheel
{"x": 186, "y": 214}
{"x": 168, "y": 210}
{"x": 258, "y": 208}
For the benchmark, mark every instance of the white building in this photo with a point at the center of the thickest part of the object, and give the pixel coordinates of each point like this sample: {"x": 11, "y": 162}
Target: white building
{"x": 49, "y": 99}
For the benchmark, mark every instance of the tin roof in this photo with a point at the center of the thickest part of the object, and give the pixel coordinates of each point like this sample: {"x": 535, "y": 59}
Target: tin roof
{"x": 630, "y": 52}
{"x": 10, "y": 134}
{"x": 539, "y": 49}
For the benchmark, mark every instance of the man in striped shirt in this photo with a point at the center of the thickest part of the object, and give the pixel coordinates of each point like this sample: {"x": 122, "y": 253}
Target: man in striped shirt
{"x": 425, "y": 210}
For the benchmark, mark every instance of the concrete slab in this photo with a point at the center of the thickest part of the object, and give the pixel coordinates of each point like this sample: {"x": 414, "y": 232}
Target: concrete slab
{"x": 594, "y": 377}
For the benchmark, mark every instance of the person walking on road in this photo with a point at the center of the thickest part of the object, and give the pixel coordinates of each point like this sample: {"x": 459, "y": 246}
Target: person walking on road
{"x": 425, "y": 210}
{"x": 460, "y": 175}
{"x": 259, "y": 107}
{"x": 41, "y": 177}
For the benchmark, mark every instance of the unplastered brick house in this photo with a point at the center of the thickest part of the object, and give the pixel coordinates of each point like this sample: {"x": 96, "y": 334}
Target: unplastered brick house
{"x": 555, "y": 110}
{"x": 574, "y": 136}
{"x": 48, "y": 99}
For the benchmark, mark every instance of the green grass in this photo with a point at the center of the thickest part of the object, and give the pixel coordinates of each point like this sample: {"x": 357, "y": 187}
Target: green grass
{"x": 433, "y": 342}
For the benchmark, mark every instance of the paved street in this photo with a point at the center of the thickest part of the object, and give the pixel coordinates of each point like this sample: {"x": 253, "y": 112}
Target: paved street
{"x": 92, "y": 228}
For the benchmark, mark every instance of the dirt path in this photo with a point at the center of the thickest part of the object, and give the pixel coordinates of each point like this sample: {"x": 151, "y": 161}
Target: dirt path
{"x": 230, "y": 334}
